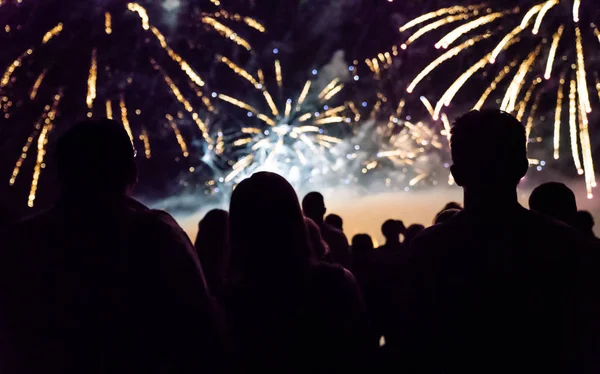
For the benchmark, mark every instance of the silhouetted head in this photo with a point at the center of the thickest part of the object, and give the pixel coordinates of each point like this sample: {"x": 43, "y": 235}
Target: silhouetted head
{"x": 445, "y": 215}
{"x": 313, "y": 206}
{"x": 554, "y": 200}
{"x": 488, "y": 150}
{"x": 391, "y": 230}
{"x": 266, "y": 227}
{"x": 96, "y": 155}
{"x": 452, "y": 205}
{"x": 584, "y": 222}
{"x": 411, "y": 233}
{"x": 362, "y": 244}
{"x": 335, "y": 221}
{"x": 318, "y": 245}
{"x": 212, "y": 246}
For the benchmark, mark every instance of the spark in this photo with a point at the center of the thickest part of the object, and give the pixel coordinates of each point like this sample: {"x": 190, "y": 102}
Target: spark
{"x": 529, "y": 15}
{"x": 451, "y": 92}
{"x": 438, "y": 13}
{"x": 427, "y": 105}
{"x": 288, "y": 107}
{"x": 447, "y": 127}
{"x": 107, "y": 23}
{"x": 444, "y": 57}
{"x": 328, "y": 120}
{"x": 525, "y": 101}
{"x": 248, "y": 107}
{"x": 278, "y": 75}
{"x": 37, "y": 84}
{"x": 11, "y": 68}
{"x": 576, "y": 5}
{"x": 552, "y": 53}
{"x": 109, "y": 111}
{"x": 584, "y": 97}
{"x": 238, "y": 167}
{"x": 503, "y": 73}
{"x": 433, "y": 26}
{"x": 239, "y": 18}
{"x": 303, "y": 95}
{"x": 271, "y": 103}
{"x": 124, "y": 118}
{"x": 330, "y": 86}
{"x": 557, "y": 118}
{"x": 305, "y": 117}
{"x": 509, "y": 102}
{"x": 93, "y": 76}
{"x": 178, "y": 136}
{"x": 185, "y": 67}
{"x": 226, "y": 32}
{"x": 41, "y": 148}
{"x": 240, "y": 71}
{"x": 186, "y": 104}
{"x": 529, "y": 125}
{"x": 573, "y": 125}
{"x": 143, "y": 14}
{"x": 452, "y": 36}
{"x": 337, "y": 89}
{"x": 144, "y": 138}
{"x": 538, "y": 21}
{"x": 52, "y": 33}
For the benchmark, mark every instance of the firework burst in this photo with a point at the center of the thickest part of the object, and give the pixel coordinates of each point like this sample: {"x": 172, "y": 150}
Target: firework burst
{"x": 295, "y": 132}
{"x": 535, "y": 59}
{"x": 65, "y": 59}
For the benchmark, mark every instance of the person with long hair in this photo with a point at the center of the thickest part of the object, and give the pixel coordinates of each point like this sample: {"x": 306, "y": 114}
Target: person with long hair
{"x": 288, "y": 312}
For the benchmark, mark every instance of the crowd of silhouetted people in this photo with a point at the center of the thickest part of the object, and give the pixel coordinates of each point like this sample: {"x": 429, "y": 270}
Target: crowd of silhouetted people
{"x": 102, "y": 284}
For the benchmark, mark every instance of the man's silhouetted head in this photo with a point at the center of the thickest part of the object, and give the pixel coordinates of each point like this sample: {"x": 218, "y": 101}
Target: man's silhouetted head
{"x": 313, "y": 206}
{"x": 488, "y": 150}
{"x": 391, "y": 230}
{"x": 554, "y": 200}
{"x": 96, "y": 155}
{"x": 335, "y": 221}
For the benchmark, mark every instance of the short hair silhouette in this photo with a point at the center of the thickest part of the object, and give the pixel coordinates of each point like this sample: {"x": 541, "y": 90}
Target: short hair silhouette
{"x": 335, "y": 221}
{"x": 392, "y": 228}
{"x": 488, "y": 149}
{"x": 445, "y": 215}
{"x": 555, "y": 200}
{"x": 266, "y": 226}
{"x": 362, "y": 243}
{"x": 452, "y": 205}
{"x": 313, "y": 206}
{"x": 411, "y": 233}
{"x": 212, "y": 247}
{"x": 97, "y": 154}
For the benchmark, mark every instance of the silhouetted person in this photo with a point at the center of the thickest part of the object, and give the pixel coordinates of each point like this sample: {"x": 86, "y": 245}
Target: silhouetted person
{"x": 391, "y": 230}
{"x": 497, "y": 288}
{"x": 319, "y": 247}
{"x": 584, "y": 222}
{"x": 445, "y": 215}
{"x": 452, "y": 205}
{"x": 411, "y": 233}
{"x": 212, "y": 246}
{"x": 100, "y": 283}
{"x": 362, "y": 259}
{"x": 313, "y": 206}
{"x": 335, "y": 221}
{"x": 554, "y": 200}
{"x": 289, "y": 313}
